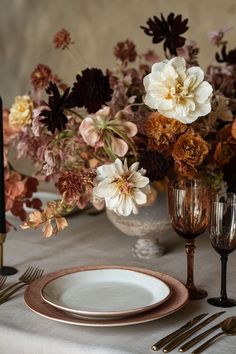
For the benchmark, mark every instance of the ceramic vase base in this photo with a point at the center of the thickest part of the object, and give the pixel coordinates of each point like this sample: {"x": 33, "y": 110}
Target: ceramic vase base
{"x": 196, "y": 293}
{"x": 146, "y": 248}
{"x": 219, "y": 302}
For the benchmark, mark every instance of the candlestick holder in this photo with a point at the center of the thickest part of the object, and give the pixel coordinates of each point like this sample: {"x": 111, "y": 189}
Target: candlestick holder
{"x": 4, "y": 270}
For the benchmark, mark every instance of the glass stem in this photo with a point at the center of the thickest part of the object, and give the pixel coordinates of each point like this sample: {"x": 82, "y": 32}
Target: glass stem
{"x": 223, "y": 292}
{"x": 190, "y": 248}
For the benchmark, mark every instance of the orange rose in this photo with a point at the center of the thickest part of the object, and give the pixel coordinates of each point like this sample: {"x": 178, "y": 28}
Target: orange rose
{"x": 162, "y": 131}
{"x": 190, "y": 148}
{"x": 223, "y": 154}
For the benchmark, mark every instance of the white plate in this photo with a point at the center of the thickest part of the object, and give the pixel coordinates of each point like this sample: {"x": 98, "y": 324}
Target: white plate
{"x": 106, "y": 293}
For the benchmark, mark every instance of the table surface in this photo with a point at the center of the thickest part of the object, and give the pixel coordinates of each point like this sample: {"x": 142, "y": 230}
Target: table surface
{"x": 93, "y": 240}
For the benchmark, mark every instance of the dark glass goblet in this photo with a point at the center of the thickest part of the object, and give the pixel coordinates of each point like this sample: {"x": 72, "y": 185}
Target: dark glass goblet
{"x": 223, "y": 239}
{"x": 188, "y": 202}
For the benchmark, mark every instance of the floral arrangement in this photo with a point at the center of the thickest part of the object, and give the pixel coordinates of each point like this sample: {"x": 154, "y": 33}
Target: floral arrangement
{"x": 108, "y": 136}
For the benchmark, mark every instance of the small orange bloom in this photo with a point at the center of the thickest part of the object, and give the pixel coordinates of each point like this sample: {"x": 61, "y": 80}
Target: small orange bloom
{"x": 190, "y": 149}
{"x": 223, "y": 153}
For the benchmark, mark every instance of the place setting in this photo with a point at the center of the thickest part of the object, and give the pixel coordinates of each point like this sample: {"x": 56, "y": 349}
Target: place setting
{"x": 94, "y": 154}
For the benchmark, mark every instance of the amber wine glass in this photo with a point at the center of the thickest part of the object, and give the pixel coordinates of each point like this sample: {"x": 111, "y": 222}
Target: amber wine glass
{"x": 223, "y": 239}
{"x": 188, "y": 202}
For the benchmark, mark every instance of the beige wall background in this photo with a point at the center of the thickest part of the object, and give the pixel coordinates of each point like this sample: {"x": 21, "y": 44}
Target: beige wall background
{"x": 27, "y": 28}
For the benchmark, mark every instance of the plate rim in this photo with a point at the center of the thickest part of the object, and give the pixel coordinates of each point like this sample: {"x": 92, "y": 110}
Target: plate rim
{"x": 38, "y": 305}
{"x": 107, "y": 314}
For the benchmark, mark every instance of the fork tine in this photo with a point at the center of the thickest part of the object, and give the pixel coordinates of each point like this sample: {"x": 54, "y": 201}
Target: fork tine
{"x": 2, "y": 280}
{"x": 26, "y": 273}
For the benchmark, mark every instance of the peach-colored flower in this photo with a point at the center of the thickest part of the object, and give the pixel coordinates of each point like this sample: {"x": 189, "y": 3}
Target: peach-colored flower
{"x": 190, "y": 149}
{"x": 100, "y": 130}
{"x": 50, "y": 214}
{"x": 162, "y": 131}
{"x": 223, "y": 153}
{"x": 14, "y": 187}
{"x": 9, "y": 131}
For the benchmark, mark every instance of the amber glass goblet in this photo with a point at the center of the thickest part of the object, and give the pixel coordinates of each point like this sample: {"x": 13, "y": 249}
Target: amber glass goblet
{"x": 223, "y": 239}
{"x": 188, "y": 202}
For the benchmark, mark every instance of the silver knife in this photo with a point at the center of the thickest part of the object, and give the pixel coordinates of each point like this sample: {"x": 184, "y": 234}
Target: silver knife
{"x": 180, "y": 339}
{"x": 158, "y": 345}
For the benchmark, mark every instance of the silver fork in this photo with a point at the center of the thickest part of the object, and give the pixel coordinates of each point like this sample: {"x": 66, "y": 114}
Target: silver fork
{"x": 2, "y": 280}
{"x": 27, "y": 278}
{"x": 21, "y": 279}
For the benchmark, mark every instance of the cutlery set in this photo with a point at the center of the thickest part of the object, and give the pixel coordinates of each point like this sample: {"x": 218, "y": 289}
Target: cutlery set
{"x": 31, "y": 274}
{"x": 178, "y": 337}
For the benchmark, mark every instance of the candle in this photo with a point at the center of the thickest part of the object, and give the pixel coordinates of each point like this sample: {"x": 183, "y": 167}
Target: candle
{"x": 2, "y": 189}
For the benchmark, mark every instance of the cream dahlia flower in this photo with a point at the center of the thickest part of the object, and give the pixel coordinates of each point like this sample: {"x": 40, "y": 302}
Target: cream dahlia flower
{"x": 21, "y": 111}
{"x": 122, "y": 188}
{"x": 177, "y": 92}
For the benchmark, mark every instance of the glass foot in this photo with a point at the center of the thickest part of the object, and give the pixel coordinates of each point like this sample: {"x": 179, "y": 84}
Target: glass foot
{"x": 196, "y": 294}
{"x": 8, "y": 270}
{"x": 219, "y": 302}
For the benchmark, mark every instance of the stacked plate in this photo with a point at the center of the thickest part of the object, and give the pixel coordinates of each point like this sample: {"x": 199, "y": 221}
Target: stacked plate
{"x": 105, "y": 295}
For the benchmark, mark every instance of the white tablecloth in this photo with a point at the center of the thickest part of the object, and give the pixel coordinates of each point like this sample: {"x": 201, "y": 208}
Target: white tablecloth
{"x": 93, "y": 240}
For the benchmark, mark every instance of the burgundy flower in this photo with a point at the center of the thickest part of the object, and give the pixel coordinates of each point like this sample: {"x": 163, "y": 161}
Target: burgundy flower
{"x": 62, "y": 39}
{"x": 92, "y": 90}
{"x": 168, "y": 30}
{"x": 125, "y": 51}
{"x": 155, "y": 163}
{"x": 55, "y": 118}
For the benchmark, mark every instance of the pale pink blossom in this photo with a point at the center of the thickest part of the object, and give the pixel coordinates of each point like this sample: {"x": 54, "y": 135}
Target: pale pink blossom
{"x": 101, "y": 130}
{"x": 216, "y": 37}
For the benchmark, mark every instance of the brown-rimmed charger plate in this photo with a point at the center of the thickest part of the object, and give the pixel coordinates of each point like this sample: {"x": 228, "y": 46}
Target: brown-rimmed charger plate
{"x": 36, "y": 303}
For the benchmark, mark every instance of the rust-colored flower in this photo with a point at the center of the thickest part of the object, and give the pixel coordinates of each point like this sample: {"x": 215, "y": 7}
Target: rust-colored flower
{"x": 190, "y": 149}
{"x": 62, "y": 39}
{"x": 186, "y": 170}
{"x": 163, "y": 132}
{"x": 41, "y": 76}
{"x": 223, "y": 154}
{"x": 125, "y": 51}
{"x": 73, "y": 184}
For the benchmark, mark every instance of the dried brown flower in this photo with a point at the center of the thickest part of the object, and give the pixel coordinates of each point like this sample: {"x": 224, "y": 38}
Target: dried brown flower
{"x": 186, "y": 170}
{"x": 162, "y": 132}
{"x": 223, "y": 154}
{"x": 233, "y": 129}
{"x": 190, "y": 149}
{"x": 72, "y": 184}
{"x": 41, "y": 76}
{"x": 62, "y": 39}
{"x": 125, "y": 51}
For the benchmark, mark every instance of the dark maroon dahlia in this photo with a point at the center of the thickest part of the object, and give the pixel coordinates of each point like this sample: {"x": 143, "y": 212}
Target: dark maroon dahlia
{"x": 155, "y": 163}
{"x": 92, "y": 90}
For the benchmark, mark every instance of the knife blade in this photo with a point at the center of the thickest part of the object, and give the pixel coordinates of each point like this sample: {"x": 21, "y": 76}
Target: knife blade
{"x": 198, "y": 338}
{"x": 158, "y": 345}
{"x": 180, "y": 339}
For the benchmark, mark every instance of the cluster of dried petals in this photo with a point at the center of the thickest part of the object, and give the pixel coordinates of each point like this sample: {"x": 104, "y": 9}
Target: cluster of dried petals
{"x": 125, "y": 51}
{"x": 62, "y": 39}
{"x": 163, "y": 132}
{"x": 41, "y": 76}
{"x": 76, "y": 186}
{"x": 223, "y": 153}
{"x": 51, "y": 214}
{"x": 21, "y": 112}
{"x": 190, "y": 149}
